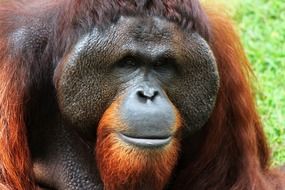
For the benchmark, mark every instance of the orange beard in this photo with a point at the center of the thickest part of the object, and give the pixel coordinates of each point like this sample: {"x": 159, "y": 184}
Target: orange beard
{"x": 123, "y": 166}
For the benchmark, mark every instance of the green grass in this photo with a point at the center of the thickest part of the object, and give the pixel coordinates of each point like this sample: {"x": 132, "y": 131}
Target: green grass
{"x": 261, "y": 24}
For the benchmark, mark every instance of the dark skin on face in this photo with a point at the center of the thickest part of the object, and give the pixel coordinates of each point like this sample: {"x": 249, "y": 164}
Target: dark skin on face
{"x": 146, "y": 75}
{"x": 127, "y": 95}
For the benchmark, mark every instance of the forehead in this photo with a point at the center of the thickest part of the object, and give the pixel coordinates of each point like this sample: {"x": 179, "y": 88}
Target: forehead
{"x": 135, "y": 33}
{"x": 147, "y": 28}
{"x": 144, "y": 36}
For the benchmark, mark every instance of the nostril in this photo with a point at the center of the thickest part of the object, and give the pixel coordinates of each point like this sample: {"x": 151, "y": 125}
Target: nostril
{"x": 147, "y": 95}
{"x": 140, "y": 94}
{"x": 155, "y": 93}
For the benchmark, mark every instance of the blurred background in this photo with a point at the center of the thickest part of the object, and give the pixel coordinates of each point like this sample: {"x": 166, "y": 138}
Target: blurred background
{"x": 261, "y": 25}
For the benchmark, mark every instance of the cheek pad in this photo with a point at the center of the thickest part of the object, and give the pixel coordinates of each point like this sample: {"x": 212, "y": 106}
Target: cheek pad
{"x": 195, "y": 91}
{"x": 83, "y": 81}
{"x": 83, "y": 90}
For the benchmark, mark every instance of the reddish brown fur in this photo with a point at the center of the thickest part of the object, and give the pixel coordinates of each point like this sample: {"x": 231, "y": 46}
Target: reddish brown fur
{"x": 233, "y": 153}
{"x": 14, "y": 155}
{"x": 123, "y": 166}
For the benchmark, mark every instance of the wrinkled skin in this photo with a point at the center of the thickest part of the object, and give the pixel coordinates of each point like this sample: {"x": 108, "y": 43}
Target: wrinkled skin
{"x": 155, "y": 72}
